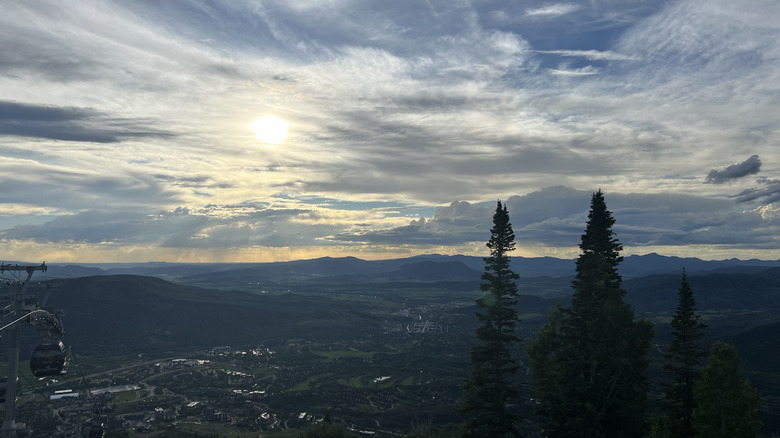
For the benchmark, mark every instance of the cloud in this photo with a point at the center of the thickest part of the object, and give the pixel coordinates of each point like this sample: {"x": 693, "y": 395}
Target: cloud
{"x": 12, "y": 111}
{"x": 553, "y": 10}
{"x": 751, "y": 166}
{"x": 395, "y": 109}
{"x": 68, "y": 124}
{"x": 74, "y": 190}
{"x": 549, "y": 221}
{"x": 695, "y": 42}
{"x": 768, "y": 194}
{"x": 214, "y": 226}
{"x": 193, "y": 181}
{"x": 591, "y": 55}
{"x": 93, "y": 227}
{"x": 555, "y": 217}
{"x": 584, "y": 71}
{"x": 459, "y": 223}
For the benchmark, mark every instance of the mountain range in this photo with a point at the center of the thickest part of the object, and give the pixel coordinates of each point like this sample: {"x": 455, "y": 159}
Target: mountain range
{"x": 152, "y": 295}
{"x": 417, "y": 267}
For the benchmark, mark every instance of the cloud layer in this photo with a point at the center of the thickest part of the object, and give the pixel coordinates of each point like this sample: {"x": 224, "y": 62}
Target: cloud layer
{"x": 125, "y": 126}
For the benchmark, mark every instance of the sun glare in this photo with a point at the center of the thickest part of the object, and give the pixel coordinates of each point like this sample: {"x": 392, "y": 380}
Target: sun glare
{"x": 270, "y": 129}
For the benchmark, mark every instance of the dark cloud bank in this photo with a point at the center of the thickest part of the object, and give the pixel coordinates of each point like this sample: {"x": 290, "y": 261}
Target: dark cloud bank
{"x": 68, "y": 124}
{"x": 751, "y": 166}
{"x": 556, "y": 216}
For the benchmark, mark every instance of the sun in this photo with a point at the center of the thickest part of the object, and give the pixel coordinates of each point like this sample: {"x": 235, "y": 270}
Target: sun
{"x": 270, "y": 129}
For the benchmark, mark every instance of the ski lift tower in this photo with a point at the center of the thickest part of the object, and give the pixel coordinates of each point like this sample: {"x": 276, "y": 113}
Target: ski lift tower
{"x": 18, "y": 309}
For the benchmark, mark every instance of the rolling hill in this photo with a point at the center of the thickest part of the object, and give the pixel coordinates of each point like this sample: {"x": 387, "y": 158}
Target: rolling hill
{"x": 136, "y": 312}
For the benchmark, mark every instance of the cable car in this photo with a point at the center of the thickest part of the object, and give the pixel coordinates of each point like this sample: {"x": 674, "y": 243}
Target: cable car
{"x": 48, "y": 360}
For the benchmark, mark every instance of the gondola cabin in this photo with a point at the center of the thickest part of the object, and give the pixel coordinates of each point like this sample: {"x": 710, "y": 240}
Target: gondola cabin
{"x": 48, "y": 360}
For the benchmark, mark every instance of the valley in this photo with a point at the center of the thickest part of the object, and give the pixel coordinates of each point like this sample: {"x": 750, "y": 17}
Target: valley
{"x": 383, "y": 349}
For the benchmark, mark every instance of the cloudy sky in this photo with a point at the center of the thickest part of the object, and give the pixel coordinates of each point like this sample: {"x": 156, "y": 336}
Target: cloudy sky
{"x": 148, "y": 130}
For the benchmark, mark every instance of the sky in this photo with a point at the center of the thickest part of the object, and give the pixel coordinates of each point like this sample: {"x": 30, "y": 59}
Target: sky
{"x": 264, "y": 130}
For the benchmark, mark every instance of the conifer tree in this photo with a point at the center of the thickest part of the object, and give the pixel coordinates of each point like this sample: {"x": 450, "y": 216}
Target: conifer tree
{"x": 685, "y": 357}
{"x": 726, "y": 403}
{"x": 489, "y": 389}
{"x": 589, "y": 360}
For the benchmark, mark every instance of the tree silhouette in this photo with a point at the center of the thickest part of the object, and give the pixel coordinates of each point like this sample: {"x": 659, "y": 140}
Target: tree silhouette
{"x": 589, "y": 359}
{"x": 684, "y": 361}
{"x": 726, "y": 403}
{"x": 489, "y": 389}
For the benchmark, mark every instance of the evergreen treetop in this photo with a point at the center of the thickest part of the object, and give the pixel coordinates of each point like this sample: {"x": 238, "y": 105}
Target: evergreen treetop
{"x": 589, "y": 360}
{"x": 597, "y": 265}
{"x": 490, "y": 388}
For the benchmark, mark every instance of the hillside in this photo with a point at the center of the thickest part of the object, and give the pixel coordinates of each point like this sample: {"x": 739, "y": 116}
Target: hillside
{"x": 142, "y": 311}
{"x": 715, "y": 291}
{"x": 148, "y": 313}
{"x": 423, "y": 308}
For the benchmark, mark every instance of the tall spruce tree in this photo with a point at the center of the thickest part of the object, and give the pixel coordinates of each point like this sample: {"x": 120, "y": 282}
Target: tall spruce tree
{"x": 684, "y": 360}
{"x": 726, "y": 403}
{"x": 489, "y": 389}
{"x": 589, "y": 360}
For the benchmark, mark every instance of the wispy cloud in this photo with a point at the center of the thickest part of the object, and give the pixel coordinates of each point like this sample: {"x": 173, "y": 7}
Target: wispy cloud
{"x": 591, "y": 55}
{"x": 552, "y": 10}
{"x": 584, "y": 71}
